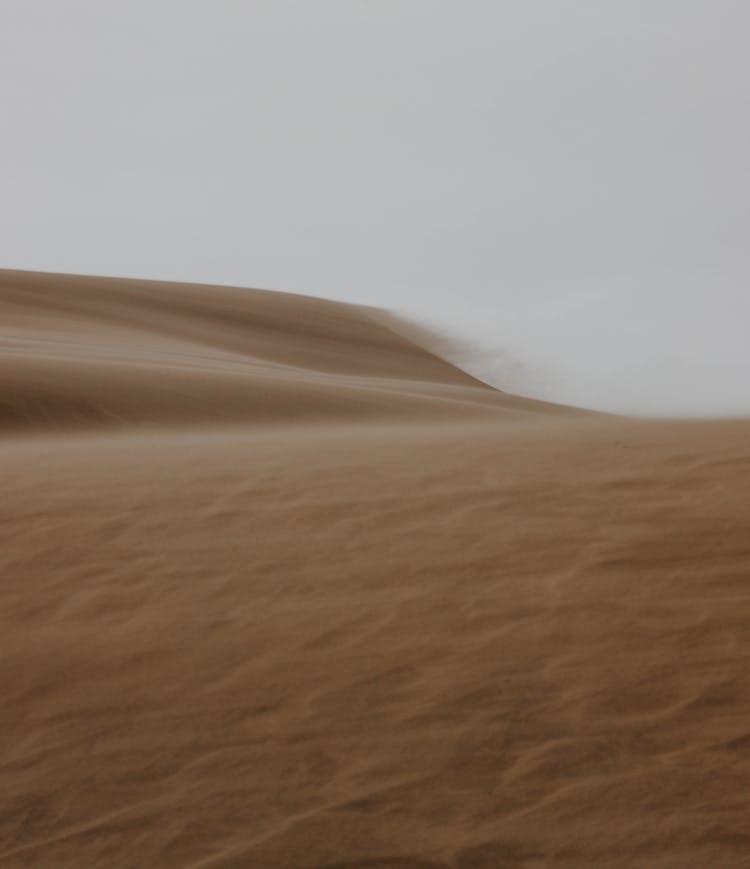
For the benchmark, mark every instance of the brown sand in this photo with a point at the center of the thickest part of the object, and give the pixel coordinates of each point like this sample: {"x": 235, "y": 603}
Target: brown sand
{"x": 282, "y": 589}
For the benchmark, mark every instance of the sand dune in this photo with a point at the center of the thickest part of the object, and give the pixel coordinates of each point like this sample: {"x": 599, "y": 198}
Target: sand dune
{"x": 90, "y": 352}
{"x": 281, "y": 588}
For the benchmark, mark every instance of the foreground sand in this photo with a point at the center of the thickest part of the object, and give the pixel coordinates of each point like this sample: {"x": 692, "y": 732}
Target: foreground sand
{"x": 282, "y": 589}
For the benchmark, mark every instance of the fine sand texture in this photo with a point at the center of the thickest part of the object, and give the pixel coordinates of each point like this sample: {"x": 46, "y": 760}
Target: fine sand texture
{"x": 279, "y": 587}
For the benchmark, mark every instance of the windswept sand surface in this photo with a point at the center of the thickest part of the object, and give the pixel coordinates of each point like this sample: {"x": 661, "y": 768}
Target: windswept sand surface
{"x": 282, "y": 589}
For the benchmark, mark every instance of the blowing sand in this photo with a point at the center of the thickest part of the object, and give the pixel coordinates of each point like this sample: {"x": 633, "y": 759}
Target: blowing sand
{"x": 281, "y": 588}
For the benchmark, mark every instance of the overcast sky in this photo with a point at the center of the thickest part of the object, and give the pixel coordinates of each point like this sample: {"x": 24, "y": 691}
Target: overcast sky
{"x": 565, "y": 183}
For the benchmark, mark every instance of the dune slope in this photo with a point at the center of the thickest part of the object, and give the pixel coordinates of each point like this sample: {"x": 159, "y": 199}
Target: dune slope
{"x": 92, "y": 352}
{"x": 387, "y": 618}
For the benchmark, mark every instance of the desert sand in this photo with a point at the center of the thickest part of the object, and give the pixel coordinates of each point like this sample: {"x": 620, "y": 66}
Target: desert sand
{"x": 283, "y": 588}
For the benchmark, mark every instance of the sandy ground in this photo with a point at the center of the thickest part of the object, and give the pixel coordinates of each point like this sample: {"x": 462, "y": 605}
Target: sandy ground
{"x": 280, "y": 588}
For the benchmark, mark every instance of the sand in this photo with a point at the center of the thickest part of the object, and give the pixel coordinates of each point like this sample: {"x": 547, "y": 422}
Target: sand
{"x": 282, "y": 588}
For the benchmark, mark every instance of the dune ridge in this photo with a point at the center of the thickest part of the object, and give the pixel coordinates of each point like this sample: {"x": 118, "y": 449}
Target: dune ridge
{"x": 93, "y": 352}
{"x": 281, "y": 588}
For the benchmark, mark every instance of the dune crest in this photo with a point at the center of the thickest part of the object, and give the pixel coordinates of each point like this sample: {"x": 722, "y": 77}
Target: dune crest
{"x": 93, "y": 352}
{"x": 447, "y": 629}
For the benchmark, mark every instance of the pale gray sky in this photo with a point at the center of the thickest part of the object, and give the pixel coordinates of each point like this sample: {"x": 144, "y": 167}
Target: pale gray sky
{"x": 566, "y": 182}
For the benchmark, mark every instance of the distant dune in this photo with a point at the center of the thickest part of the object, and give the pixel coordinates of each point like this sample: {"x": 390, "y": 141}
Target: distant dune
{"x": 282, "y": 588}
{"x": 93, "y": 352}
